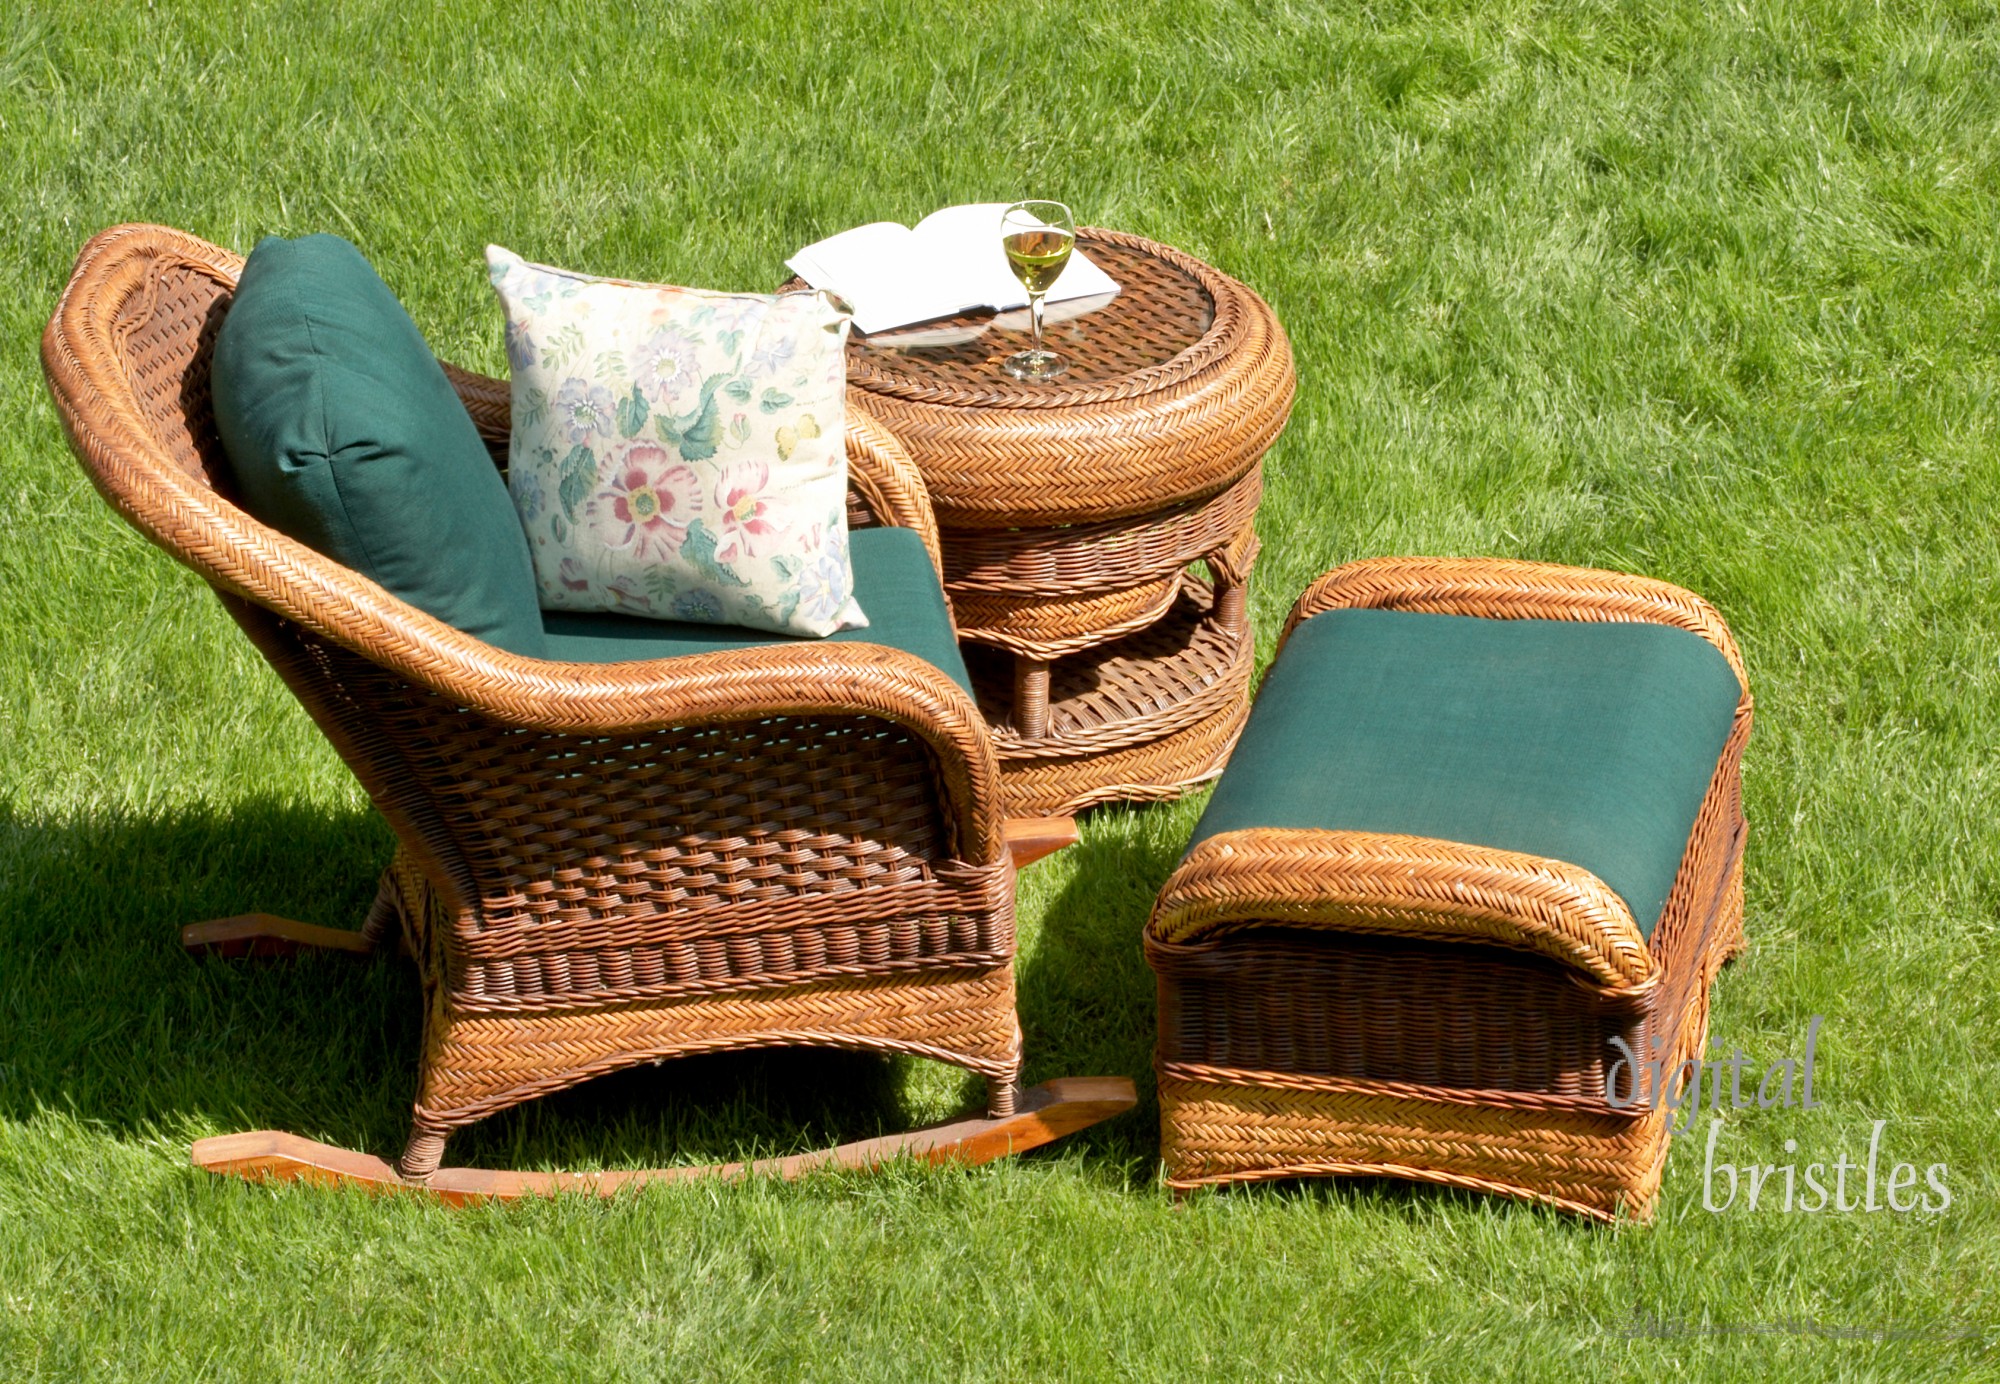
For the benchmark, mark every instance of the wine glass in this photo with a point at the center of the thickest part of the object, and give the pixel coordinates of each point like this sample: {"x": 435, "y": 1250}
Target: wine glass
{"x": 1038, "y": 237}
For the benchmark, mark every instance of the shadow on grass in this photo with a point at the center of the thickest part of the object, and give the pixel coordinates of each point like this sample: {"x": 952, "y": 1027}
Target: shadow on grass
{"x": 104, "y": 1016}
{"x": 1086, "y": 995}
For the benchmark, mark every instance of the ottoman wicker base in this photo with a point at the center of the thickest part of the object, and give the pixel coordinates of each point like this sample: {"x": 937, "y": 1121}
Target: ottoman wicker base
{"x": 1339, "y": 999}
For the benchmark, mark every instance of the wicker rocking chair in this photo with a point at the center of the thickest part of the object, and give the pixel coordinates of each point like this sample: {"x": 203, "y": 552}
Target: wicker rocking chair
{"x": 597, "y": 864}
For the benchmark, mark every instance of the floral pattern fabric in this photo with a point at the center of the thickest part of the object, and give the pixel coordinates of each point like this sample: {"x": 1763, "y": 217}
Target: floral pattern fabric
{"x": 680, "y": 454}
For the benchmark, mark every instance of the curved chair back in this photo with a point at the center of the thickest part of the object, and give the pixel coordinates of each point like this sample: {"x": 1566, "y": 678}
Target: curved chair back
{"x": 693, "y": 779}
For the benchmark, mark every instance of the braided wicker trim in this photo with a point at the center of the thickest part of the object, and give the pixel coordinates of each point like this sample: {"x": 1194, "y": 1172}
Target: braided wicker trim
{"x": 1038, "y": 627}
{"x": 1401, "y": 886}
{"x": 879, "y": 468}
{"x": 1158, "y": 771}
{"x": 171, "y": 503}
{"x": 1623, "y": 1204}
{"x": 1105, "y": 555}
{"x": 1505, "y": 589}
{"x": 474, "y": 1066}
{"x": 1580, "y": 1163}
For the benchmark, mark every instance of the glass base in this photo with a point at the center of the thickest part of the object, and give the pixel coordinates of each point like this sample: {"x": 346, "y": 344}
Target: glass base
{"x": 1035, "y": 366}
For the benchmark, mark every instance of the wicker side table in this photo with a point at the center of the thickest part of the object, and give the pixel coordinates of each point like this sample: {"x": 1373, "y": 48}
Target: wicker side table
{"x": 1071, "y": 514}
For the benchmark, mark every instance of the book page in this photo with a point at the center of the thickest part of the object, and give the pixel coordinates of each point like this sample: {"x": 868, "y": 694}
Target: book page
{"x": 886, "y": 274}
{"x": 967, "y": 238}
{"x": 894, "y": 276}
{"x": 850, "y": 263}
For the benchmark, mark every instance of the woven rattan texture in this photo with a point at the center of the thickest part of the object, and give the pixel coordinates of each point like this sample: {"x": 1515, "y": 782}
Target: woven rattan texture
{"x": 1233, "y": 1125}
{"x": 1196, "y": 385}
{"x": 1143, "y": 719}
{"x": 1175, "y": 672}
{"x": 1312, "y": 1021}
{"x": 1108, "y": 555}
{"x": 598, "y": 860}
{"x": 1157, "y": 770}
{"x": 1047, "y": 628}
{"x": 732, "y": 856}
{"x": 1368, "y": 1008}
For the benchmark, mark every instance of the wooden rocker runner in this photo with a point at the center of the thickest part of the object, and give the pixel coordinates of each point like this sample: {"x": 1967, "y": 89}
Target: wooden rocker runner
{"x": 599, "y": 863}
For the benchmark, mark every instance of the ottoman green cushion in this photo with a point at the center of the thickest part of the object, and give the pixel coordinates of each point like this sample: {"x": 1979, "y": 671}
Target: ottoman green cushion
{"x": 893, "y": 581}
{"x": 342, "y": 431}
{"x": 1592, "y": 744}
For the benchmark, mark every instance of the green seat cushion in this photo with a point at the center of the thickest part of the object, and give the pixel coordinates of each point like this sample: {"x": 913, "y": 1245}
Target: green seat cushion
{"x": 893, "y": 580}
{"x": 1592, "y": 744}
{"x": 342, "y": 431}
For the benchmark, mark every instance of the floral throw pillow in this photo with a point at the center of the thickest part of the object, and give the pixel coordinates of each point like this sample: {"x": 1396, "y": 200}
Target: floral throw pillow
{"x": 679, "y": 454}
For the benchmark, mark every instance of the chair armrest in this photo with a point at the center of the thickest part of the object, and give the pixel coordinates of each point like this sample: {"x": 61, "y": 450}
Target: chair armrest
{"x": 1403, "y": 886}
{"x": 887, "y": 483}
{"x": 793, "y": 679}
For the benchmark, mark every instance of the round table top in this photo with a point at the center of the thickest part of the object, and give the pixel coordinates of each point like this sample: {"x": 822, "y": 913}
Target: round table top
{"x": 1176, "y": 387}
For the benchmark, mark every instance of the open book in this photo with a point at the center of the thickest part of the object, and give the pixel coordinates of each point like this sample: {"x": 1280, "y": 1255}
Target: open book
{"x": 949, "y": 262}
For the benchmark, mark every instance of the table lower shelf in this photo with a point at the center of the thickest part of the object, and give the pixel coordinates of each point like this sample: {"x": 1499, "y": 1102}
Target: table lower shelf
{"x": 1144, "y": 718}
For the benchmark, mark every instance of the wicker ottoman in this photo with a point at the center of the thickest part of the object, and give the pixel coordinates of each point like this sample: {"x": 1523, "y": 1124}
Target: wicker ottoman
{"x": 1450, "y": 862}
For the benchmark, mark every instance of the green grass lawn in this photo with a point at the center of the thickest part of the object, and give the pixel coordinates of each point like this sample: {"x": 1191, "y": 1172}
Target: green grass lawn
{"x": 1708, "y": 291}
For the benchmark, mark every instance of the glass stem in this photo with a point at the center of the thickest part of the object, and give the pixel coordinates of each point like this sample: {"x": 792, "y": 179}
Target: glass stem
{"x": 1035, "y": 318}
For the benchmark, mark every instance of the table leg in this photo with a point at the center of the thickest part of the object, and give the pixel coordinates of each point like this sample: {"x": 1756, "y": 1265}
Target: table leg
{"x": 1230, "y": 606}
{"x": 1031, "y": 697}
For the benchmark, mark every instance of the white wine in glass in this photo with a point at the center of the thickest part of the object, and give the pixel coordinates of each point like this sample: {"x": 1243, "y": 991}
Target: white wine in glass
{"x": 1037, "y": 237}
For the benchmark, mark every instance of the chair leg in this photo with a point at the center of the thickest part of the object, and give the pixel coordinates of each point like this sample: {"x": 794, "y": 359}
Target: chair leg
{"x": 422, "y": 1155}
{"x": 1000, "y": 1097}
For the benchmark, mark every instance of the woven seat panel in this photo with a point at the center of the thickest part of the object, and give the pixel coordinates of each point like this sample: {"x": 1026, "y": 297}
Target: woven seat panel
{"x": 479, "y": 1063}
{"x": 1429, "y": 1014}
{"x": 684, "y": 860}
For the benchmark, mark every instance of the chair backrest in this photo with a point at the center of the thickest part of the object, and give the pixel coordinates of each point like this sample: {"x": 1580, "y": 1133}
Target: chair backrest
{"x": 127, "y": 355}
